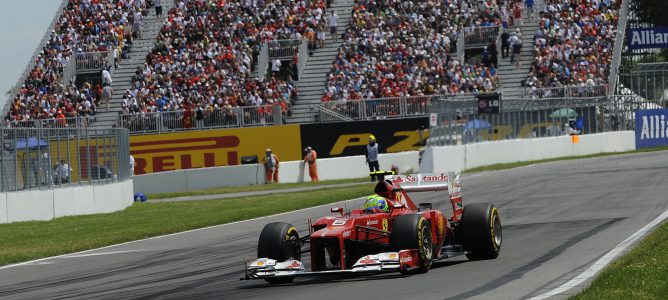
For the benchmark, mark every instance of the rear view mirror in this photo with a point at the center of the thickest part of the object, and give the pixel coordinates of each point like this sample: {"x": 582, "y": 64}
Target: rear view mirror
{"x": 337, "y": 210}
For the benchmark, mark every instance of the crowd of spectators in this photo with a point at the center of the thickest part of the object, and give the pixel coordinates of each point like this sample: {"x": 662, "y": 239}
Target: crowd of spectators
{"x": 574, "y": 44}
{"x": 204, "y": 56}
{"x": 407, "y": 48}
{"x": 85, "y": 25}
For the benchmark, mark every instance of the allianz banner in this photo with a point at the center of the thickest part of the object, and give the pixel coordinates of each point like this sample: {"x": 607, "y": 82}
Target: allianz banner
{"x": 647, "y": 38}
{"x": 651, "y": 128}
{"x": 349, "y": 138}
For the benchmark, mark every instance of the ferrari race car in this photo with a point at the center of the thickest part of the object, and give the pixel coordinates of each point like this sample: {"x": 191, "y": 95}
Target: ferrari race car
{"x": 406, "y": 239}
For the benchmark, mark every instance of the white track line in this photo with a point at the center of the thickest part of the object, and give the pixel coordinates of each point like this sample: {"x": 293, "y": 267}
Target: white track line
{"x": 605, "y": 260}
{"x": 75, "y": 255}
{"x": 166, "y": 235}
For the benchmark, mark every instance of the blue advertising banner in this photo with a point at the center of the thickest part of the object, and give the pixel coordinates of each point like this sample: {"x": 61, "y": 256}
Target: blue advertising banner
{"x": 651, "y": 128}
{"x": 646, "y": 38}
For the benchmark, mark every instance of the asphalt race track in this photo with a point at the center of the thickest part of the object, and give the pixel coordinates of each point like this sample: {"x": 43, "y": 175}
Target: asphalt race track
{"x": 558, "y": 219}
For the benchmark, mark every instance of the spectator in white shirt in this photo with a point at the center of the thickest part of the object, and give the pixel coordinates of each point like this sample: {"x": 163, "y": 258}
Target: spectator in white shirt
{"x": 333, "y": 25}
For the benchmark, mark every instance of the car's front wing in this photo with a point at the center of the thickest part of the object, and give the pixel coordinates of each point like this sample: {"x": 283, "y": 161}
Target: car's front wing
{"x": 404, "y": 260}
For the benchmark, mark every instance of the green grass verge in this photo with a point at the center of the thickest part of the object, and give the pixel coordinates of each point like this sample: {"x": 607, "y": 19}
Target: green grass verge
{"x": 253, "y": 188}
{"x": 640, "y": 274}
{"x": 31, "y": 240}
{"x": 533, "y": 162}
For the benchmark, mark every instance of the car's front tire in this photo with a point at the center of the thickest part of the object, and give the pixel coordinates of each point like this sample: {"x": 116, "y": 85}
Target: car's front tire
{"x": 413, "y": 232}
{"x": 279, "y": 241}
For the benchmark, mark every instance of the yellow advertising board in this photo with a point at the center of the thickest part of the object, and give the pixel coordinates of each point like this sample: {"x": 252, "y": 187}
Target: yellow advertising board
{"x": 211, "y": 148}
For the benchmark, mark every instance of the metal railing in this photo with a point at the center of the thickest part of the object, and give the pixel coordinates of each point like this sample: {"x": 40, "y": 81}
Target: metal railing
{"x": 170, "y": 121}
{"x": 370, "y": 109}
{"x": 619, "y": 46}
{"x": 75, "y": 122}
{"x": 32, "y": 159}
{"x": 263, "y": 62}
{"x": 582, "y": 91}
{"x": 33, "y": 59}
{"x": 284, "y": 48}
{"x": 478, "y": 37}
{"x": 93, "y": 61}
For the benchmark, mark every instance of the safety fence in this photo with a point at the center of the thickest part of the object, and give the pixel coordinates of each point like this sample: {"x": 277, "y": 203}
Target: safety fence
{"x": 41, "y": 158}
{"x": 195, "y": 120}
{"x": 478, "y": 37}
{"x": 461, "y": 123}
{"x": 649, "y": 84}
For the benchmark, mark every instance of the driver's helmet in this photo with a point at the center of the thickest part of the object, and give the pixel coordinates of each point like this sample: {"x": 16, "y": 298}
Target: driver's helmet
{"x": 376, "y": 204}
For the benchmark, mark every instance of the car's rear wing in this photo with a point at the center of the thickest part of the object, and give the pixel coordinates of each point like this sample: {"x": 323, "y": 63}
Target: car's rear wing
{"x": 427, "y": 182}
{"x": 433, "y": 182}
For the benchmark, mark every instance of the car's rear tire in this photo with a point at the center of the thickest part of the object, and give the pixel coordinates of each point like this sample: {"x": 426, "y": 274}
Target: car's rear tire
{"x": 279, "y": 241}
{"x": 413, "y": 232}
{"x": 481, "y": 231}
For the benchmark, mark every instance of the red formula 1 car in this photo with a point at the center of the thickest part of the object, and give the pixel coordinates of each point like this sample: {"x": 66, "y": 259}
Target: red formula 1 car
{"x": 406, "y": 239}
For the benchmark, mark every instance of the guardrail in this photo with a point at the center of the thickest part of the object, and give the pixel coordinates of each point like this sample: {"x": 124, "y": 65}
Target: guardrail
{"x": 284, "y": 48}
{"x": 33, "y": 59}
{"x": 369, "y": 109}
{"x": 192, "y": 120}
{"x": 39, "y": 158}
{"x": 478, "y": 37}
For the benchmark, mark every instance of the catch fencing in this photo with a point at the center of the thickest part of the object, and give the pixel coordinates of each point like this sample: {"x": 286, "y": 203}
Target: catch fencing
{"x": 371, "y": 109}
{"x": 41, "y": 158}
{"x": 459, "y": 122}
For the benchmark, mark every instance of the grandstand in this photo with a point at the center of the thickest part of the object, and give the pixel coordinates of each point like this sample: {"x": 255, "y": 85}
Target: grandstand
{"x": 211, "y": 63}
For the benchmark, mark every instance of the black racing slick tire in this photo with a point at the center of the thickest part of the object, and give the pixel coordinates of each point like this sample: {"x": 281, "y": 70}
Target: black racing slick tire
{"x": 413, "y": 232}
{"x": 279, "y": 241}
{"x": 481, "y": 231}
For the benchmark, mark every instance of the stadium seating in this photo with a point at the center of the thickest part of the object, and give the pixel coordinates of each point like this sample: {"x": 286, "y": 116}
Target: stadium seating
{"x": 101, "y": 25}
{"x": 574, "y": 45}
{"x": 406, "y": 48}
{"x": 205, "y": 52}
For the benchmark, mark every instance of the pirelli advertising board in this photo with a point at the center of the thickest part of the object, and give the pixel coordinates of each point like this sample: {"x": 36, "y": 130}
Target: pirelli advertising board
{"x": 223, "y": 147}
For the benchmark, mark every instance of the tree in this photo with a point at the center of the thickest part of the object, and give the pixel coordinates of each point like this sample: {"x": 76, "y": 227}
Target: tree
{"x": 651, "y": 12}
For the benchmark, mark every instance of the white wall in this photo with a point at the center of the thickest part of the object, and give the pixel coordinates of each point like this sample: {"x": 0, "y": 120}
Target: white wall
{"x": 461, "y": 157}
{"x": 291, "y": 171}
{"x": 450, "y": 158}
{"x": 42, "y": 205}
{"x": 30, "y": 206}
{"x": 3, "y": 208}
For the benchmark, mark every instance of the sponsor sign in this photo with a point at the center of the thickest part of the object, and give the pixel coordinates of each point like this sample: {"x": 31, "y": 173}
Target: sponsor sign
{"x": 212, "y": 148}
{"x": 647, "y": 38}
{"x": 651, "y": 128}
{"x": 489, "y": 103}
{"x": 351, "y": 138}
